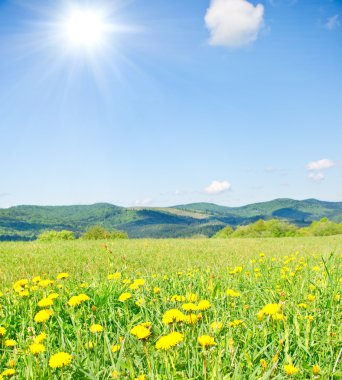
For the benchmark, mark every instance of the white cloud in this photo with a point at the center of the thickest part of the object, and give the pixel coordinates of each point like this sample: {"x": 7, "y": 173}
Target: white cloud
{"x": 316, "y": 177}
{"x": 322, "y": 164}
{"x": 333, "y": 22}
{"x": 217, "y": 187}
{"x": 234, "y": 23}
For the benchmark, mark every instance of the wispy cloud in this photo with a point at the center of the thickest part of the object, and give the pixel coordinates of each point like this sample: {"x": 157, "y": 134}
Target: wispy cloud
{"x": 333, "y": 22}
{"x": 316, "y": 176}
{"x": 234, "y": 23}
{"x": 322, "y": 164}
{"x": 316, "y": 169}
{"x": 217, "y": 187}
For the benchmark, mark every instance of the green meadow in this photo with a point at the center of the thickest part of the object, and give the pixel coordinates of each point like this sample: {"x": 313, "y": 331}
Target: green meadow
{"x": 171, "y": 309}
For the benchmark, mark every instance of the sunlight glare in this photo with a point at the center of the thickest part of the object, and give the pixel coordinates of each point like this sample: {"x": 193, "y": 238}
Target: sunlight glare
{"x": 86, "y": 28}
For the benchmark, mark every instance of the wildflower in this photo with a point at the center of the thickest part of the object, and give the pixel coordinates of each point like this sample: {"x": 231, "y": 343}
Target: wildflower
{"x": 275, "y": 358}
{"x": 140, "y": 377}
{"x": 10, "y": 343}
{"x": 203, "y": 305}
{"x": 62, "y": 276}
{"x": 278, "y": 317}
{"x": 235, "y": 323}
{"x": 124, "y": 297}
{"x": 177, "y": 298}
{"x": 141, "y": 332}
{"x": 173, "y": 315}
{"x": 116, "y": 347}
{"x": 232, "y": 293}
{"x": 316, "y": 370}
{"x": 269, "y": 309}
{"x": 139, "y": 281}
{"x": 303, "y": 305}
{"x": 167, "y": 341}
{"x": 59, "y": 360}
{"x": 216, "y": 326}
{"x": 114, "y": 276}
{"x": 37, "y": 348}
{"x": 24, "y": 293}
{"x": 36, "y": 279}
{"x": 309, "y": 318}
{"x": 192, "y": 318}
{"x": 290, "y": 369}
{"x": 206, "y": 341}
{"x": 96, "y": 328}
{"x": 40, "y": 338}
{"x": 156, "y": 290}
{"x": 115, "y": 374}
{"x": 43, "y": 315}
{"x": 311, "y": 297}
{"x": 90, "y": 345}
{"x": 2, "y": 331}
{"x": 77, "y": 300}
{"x": 45, "y": 302}
{"x": 189, "y": 306}
{"x": 45, "y": 283}
{"x": 8, "y": 372}
{"x": 53, "y": 296}
{"x": 263, "y": 363}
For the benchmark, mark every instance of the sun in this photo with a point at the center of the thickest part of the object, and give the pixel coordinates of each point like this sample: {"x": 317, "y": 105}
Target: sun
{"x": 85, "y": 28}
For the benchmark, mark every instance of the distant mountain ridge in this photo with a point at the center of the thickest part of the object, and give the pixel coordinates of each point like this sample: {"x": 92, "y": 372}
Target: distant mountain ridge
{"x": 26, "y": 222}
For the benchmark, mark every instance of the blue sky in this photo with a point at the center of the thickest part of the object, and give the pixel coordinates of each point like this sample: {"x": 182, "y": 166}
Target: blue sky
{"x": 184, "y": 101}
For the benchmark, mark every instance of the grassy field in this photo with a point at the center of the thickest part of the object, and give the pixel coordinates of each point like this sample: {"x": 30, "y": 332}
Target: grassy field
{"x": 171, "y": 309}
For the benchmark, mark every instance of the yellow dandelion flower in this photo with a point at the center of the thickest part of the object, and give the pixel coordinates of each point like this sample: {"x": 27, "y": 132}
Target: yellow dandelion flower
{"x": 62, "y": 276}
{"x": 156, "y": 290}
{"x": 8, "y": 372}
{"x": 43, "y": 315}
{"x": 141, "y": 332}
{"x": 311, "y": 297}
{"x": 236, "y": 323}
{"x": 189, "y": 306}
{"x": 95, "y": 328}
{"x": 124, "y": 297}
{"x": 40, "y": 338}
{"x": 115, "y": 374}
{"x": 45, "y": 302}
{"x": 192, "y": 318}
{"x": 203, "y": 305}
{"x": 263, "y": 363}
{"x": 290, "y": 369}
{"x": 216, "y": 326}
{"x": 10, "y": 343}
{"x": 45, "y": 283}
{"x": 116, "y": 348}
{"x": 170, "y": 340}
{"x": 316, "y": 370}
{"x": 60, "y": 359}
{"x": 37, "y": 348}
{"x": 53, "y": 296}
{"x": 232, "y": 293}
{"x": 2, "y": 331}
{"x": 114, "y": 276}
{"x": 173, "y": 315}
{"x": 206, "y": 341}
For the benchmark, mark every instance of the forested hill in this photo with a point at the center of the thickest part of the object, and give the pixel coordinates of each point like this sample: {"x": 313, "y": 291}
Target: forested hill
{"x": 26, "y": 222}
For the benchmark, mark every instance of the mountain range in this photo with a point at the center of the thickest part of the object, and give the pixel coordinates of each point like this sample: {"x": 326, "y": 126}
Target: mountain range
{"x": 27, "y": 222}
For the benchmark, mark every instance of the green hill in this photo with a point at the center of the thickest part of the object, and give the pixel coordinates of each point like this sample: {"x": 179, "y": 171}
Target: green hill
{"x": 26, "y": 222}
